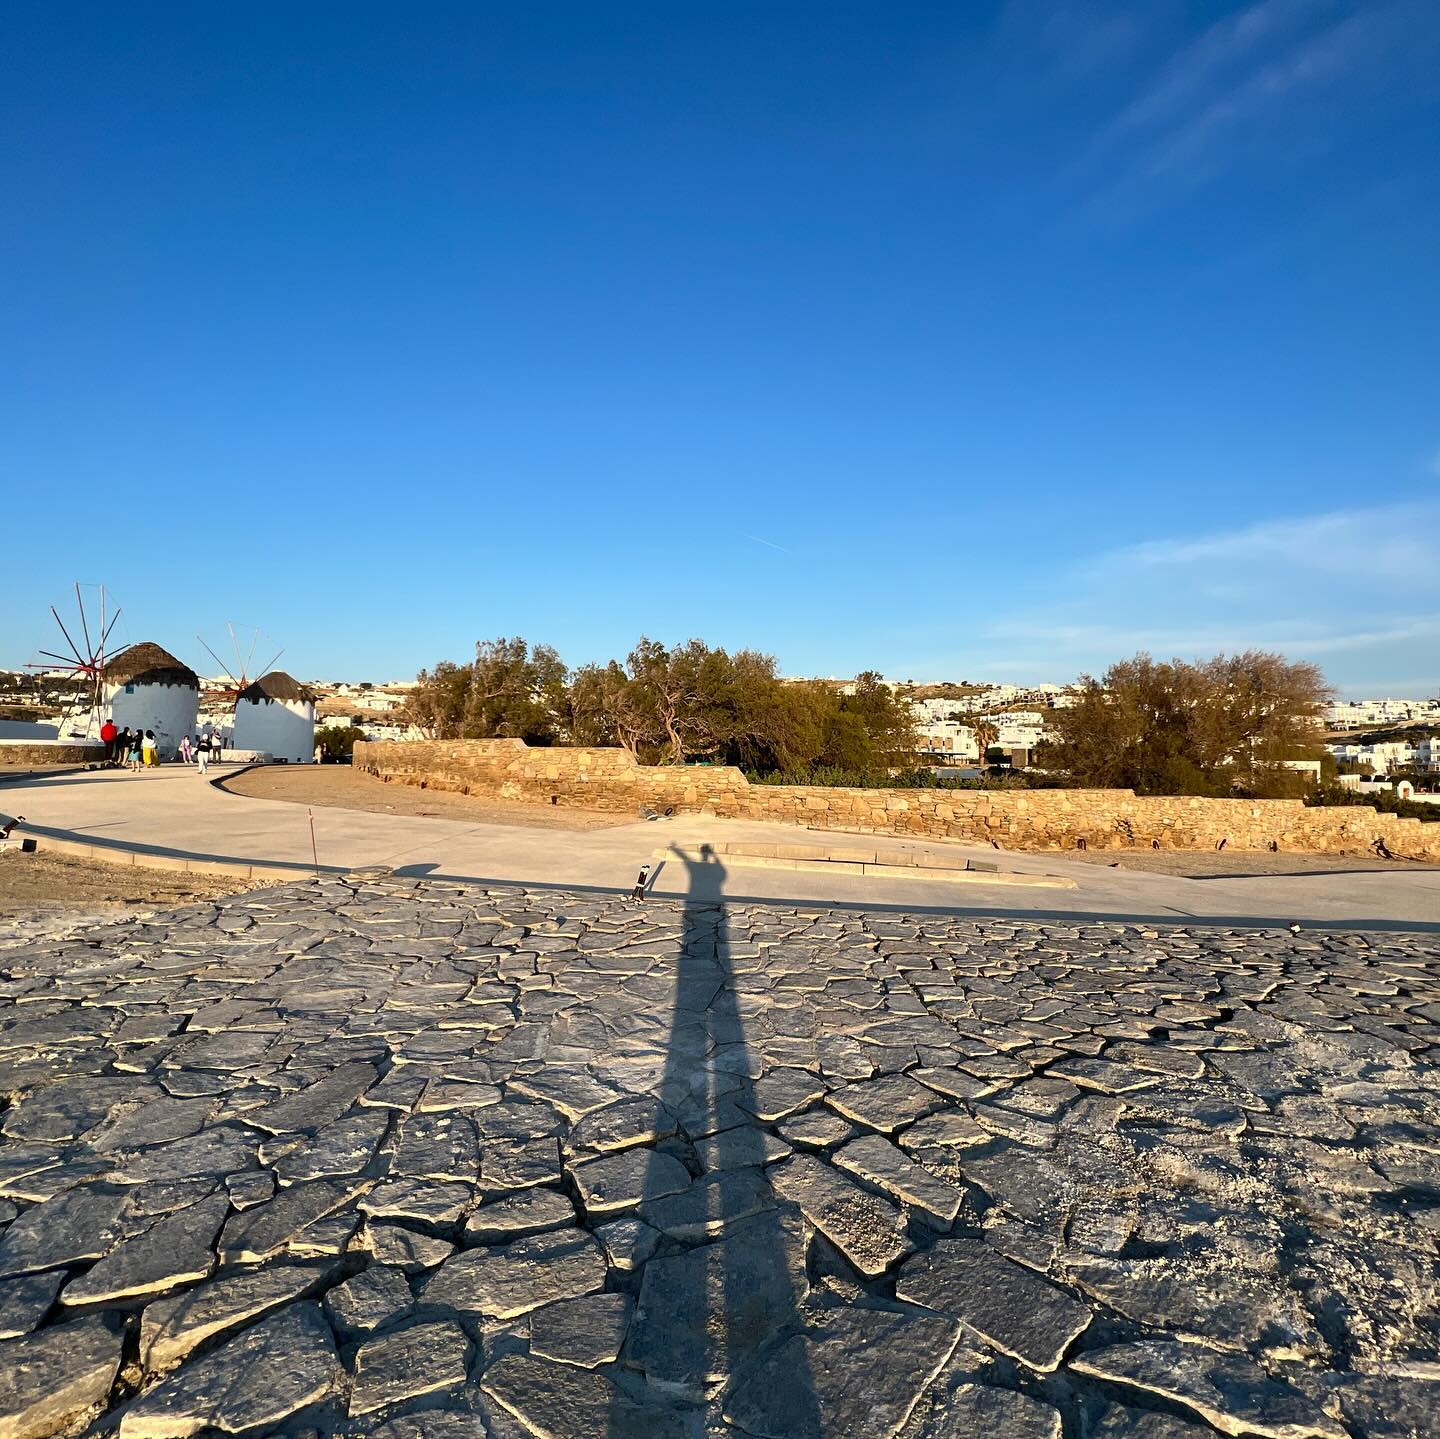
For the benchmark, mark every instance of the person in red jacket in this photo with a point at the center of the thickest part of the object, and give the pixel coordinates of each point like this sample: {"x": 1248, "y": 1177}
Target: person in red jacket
{"x": 107, "y": 736}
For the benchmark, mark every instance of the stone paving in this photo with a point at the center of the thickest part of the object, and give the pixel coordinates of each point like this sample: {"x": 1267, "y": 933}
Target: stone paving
{"x": 428, "y": 1161}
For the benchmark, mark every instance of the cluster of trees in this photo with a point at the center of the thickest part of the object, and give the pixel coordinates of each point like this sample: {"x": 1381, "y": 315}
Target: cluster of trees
{"x": 672, "y": 705}
{"x": 1215, "y": 727}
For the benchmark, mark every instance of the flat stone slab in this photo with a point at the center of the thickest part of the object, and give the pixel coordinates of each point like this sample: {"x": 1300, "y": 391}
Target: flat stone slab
{"x": 256, "y": 1234}
{"x": 316, "y": 1105}
{"x": 425, "y": 1200}
{"x": 559, "y": 1401}
{"x": 617, "y": 1182}
{"x": 867, "y": 1230}
{"x": 703, "y": 1312}
{"x": 51, "y": 1380}
{"x": 261, "y": 1377}
{"x": 438, "y": 1146}
{"x": 175, "y": 1250}
{"x": 587, "y": 1332}
{"x": 885, "y": 1104}
{"x": 414, "y": 1362}
{"x": 654, "y": 1128}
{"x": 24, "y": 1301}
{"x": 881, "y": 1164}
{"x": 530, "y": 1211}
{"x": 68, "y": 1229}
{"x": 710, "y": 1205}
{"x": 623, "y": 1125}
{"x": 170, "y": 1328}
{"x": 1007, "y": 1305}
{"x": 512, "y": 1279}
{"x": 373, "y": 1297}
{"x": 981, "y": 1409}
{"x": 861, "y": 1376}
{"x": 1227, "y": 1391}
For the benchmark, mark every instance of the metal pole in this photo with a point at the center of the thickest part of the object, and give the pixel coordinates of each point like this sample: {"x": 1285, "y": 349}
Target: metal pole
{"x": 314, "y": 854}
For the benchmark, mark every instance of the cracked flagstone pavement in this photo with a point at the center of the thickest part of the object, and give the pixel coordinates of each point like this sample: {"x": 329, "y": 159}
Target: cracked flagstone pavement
{"x": 426, "y": 1161}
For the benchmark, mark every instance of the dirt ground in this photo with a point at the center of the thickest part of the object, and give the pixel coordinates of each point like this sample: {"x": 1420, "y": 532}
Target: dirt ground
{"x": 1231, "y": 864}
{"x": 31, "y": 879}
{"x": 340, "y": 787}
{"x": 46, "y": 896}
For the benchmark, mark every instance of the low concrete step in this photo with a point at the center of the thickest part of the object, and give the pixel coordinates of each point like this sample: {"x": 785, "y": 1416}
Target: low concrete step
{"x": 848, "y": 859}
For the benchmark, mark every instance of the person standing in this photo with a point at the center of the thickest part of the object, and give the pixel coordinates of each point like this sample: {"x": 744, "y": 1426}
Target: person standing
{"x": 217, "y": 743}
{"x": 202, "y": 755}
{"x": 149, "y": 750}
{"x": 136, "y": 743}
{"x": 187, "y": 755}
{"x": 108, "y": 735}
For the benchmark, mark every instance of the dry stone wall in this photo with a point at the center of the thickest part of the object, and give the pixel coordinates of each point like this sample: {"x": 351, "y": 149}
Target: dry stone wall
{"x": 610, "y": 779}
{"x": 29, "y": 755}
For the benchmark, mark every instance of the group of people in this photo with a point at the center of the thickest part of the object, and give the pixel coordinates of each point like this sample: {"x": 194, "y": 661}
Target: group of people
{"x": 139, "y": 749}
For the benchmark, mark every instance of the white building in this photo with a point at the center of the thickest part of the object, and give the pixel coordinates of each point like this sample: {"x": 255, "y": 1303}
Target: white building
{"x": 1386, "y": 756}
{"x": 147, "y": 688}
{"x": 275, "y": 716}
{"x": 1378, "y": 713}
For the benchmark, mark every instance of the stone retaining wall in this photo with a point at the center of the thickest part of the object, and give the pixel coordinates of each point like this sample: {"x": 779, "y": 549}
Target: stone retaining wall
{"x": 609, "y": 779}
{"x": 49, "y": 752}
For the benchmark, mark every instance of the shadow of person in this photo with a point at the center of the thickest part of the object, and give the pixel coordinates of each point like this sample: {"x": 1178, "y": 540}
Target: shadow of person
{"x": 724, "y": 1289}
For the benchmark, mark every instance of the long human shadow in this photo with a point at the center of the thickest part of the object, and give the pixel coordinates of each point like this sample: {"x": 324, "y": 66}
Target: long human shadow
{"x": 715, "y": 1301}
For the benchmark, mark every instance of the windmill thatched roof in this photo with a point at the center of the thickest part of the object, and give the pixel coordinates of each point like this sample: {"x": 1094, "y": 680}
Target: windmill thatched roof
{"x": 148, "y": 664}
{"x": 277, "y": 685}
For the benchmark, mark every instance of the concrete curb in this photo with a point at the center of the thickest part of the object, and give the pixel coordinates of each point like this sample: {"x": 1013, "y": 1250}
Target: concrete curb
{"x": 176, "y": 864}
{"x": 845, "y": 862}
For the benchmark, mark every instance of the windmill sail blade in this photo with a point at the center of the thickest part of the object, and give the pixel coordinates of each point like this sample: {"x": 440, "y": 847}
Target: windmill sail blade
{"x": 84, "y": 624}
{"x": 78, "y": 659}
{"x": 224, "y": 668}
{"x": 105, "y": 637}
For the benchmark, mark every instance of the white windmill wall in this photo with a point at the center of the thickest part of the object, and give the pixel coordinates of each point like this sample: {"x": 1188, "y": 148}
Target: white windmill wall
{"x": 284, "y": 729}
{"x": 169, "y": 710}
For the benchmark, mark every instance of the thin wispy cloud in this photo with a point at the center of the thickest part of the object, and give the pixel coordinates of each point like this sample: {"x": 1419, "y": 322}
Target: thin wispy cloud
{"x": 1190, "y": 81}
{"x": 1357, "y": 591}
{"x": 769, "y": 544}
{"x": 1218, "y": 101}
{"x": 1389, "y": 541}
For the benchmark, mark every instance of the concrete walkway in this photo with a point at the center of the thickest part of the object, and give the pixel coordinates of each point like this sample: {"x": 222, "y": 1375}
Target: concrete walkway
{"x": 174, "y": 812}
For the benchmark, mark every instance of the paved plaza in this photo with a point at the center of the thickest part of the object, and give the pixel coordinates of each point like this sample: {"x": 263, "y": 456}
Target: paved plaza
{"x": 430, "y": 1160}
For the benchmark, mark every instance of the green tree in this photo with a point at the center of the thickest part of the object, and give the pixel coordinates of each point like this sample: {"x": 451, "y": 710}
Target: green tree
{"x": 336, "y": 743}
{"x": 1218, "y": 726}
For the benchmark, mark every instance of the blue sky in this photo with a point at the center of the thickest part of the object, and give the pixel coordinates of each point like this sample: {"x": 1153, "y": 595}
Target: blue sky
{"x": 968, "y": 341}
